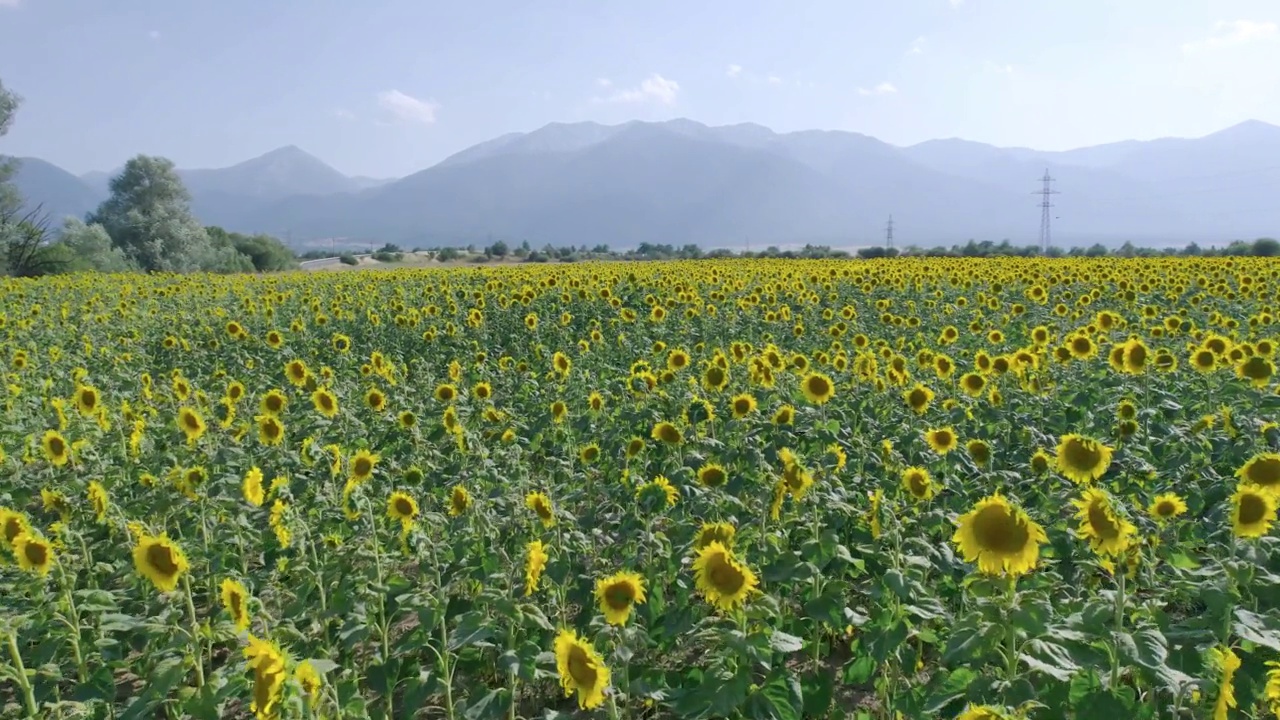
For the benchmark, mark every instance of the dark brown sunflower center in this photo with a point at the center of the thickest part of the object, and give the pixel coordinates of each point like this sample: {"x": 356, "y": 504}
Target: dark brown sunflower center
{"x": 1265, "y": 472}
{"x": 1253, "y": 508}
{"x": 363, "y": 466}
{"x": 37, "y": 553}
{"x": 162, "y": 559}
{"x": 997, "y": 530}
{"x": 404, "y": 507}
{"x": 1102, "y": 522}
{"x": 581, "y": 669}
{"x": 190, "y": 421}
{"x": 917, "y": 484}
{"x": 619, "y": 596}
{"x": 724, "y": 575}
{"x": 12, "y": 528}
{"x": 1165, "y": 508}
{"x": 1081, "y": 455}
{"x": 1256, "y": 368}
{"x": 819, "y": 386}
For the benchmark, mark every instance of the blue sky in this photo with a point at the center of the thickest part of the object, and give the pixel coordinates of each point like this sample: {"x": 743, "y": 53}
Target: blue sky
{"x": 388, "y": 87}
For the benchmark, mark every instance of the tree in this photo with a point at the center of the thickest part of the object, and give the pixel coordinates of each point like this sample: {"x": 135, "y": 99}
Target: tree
{"x": 498, "y": 249}
{"x": 10, "y": 200}
{"x": 1266, "y": 247}
{"x": 85, "y": 248}
{"x": 148, "y": 216}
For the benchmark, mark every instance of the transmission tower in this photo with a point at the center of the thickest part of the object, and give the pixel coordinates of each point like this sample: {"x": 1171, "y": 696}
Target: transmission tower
{"x": 888, "y": 234}
{"x": 1045, "y": 215}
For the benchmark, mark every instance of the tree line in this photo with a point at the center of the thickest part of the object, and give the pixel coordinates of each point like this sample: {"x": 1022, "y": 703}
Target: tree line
{"x": 145, "y": 224}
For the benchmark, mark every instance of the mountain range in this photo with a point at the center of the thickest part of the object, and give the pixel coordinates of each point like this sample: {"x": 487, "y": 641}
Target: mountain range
{"x": 681, "y": 182}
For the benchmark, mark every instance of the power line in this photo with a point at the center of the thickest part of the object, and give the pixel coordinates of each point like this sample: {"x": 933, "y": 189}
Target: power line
{"x": 888, "y": 234}
{"x": 1045, "y": 215}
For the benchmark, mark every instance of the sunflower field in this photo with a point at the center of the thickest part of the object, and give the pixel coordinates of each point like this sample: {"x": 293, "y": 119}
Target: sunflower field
{"x": 914, "y": 488}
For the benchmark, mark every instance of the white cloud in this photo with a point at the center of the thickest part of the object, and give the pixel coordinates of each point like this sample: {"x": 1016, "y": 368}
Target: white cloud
{"x": 1232, "y": 33}
{"x": 604, "y": 82}
{"x": 344, "y": 114}
{"x": 956, "y": 3}
{"x": 733, "y": 71}
{"x": 916, "y": 47}
{"x": 408, "y": 109}
{"x": 154, "y": 34}
{"x": 773, "y": 79}
{"x": 997, "y": 68}
{"x": 654, "y": 88}
{"x": 10, "y": 3}
{"x": 884, "y": 88}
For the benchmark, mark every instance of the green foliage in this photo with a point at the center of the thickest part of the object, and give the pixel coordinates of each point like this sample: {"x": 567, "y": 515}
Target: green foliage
{"x": 264, "y": 253}
{"x": 85, "y": 248}
{"x": 149, "y": 218}
{"x": 348, "y": 259}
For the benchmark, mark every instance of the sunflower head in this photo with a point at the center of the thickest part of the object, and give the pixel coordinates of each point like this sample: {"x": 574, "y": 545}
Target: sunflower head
{"x": 362, "y": 464}
{"x": 743, "y": 405}
{"x": 1262, "y": 470}
{"x": 1253, "y": 510}
{"x": 33, "y": 552}
{"x": 401, "y": 506}
{"x": 712, "y": 475}
{"x": 618, "y": 594}
{"x": 160, "y": 560}
{"x": 717, "y": 532}
{"x": 980, "y": 451}
{"x": 999, "y": 537}
{"x": 918, "y": 483}
{"x": 459, "y": 500}
{"x": 1166, "y": 507}
{"x": 1082, "y": 459}
{"x": 581, "y": 668}
{"x": 817, "y": 388}
{"x": 942, "y": 440}
{"x": 668, "y": 433}
{"x": 235, "y": 600}
{"x": 541, "y": 506}
{"x": 918, "y": 398}
{"x": 1102, "y": 524}
{"x": 721, "y": 578}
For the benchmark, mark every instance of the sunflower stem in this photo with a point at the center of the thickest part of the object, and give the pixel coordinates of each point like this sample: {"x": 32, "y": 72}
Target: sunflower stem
{"x": 1011, "y": 633}
{"x": 195, "y": 630}
{"x": 82, "y": 670}
{"x": 1120, "y": 582}
{"x": 24, "y": 682}
{"x": 447, "y": 669}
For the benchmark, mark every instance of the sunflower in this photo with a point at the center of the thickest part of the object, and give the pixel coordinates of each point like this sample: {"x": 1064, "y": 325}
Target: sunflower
{"x": 274, "y": 339}
{"x": 482, "y": 390}
{"x": 1081, "y": 347}
{"x": 581, "y": 668}
{"x": 657, "y": 493}
{"x": 407, "y": 420}
{"x": 541, "y": 506}
{"x": 160, "y": 560}
{"x": 667, "y": 433}
{"x": 12, "y": 524}
{"x": 99, "y": 500}
{"x": 796, "y": 478}
{"x": 972, "y": 384}
{"x": 191, "y": 424}
{"x": 446, "y": 393}
{"x": 559, "y": 411}
{"x": 55, "y": 502}
{"x": 1167, "y": 506}
{"x": 1253, "y": 509}
{"x": 375, "y": 399}
{"x": 743, "y": 405}
{"x": 459, "y": 501}
{"x": 942, "y": 440}
{"x": 309, "y": 680}
{"x": 589, "y": 453}
{"x": 618, "y": 594}
{"x": 325, "y": 402}
{"x": 1262, "y": 470}
{"x": 980, "y": 451}
{"x": 918, "y": 482}
{"x": 715, "y": 377}
{"x": 401, "y": 506}
{"x": 999, "y": 537}
{"x": 1227, "y": 662}
{"x": 1108, "y": 532}
{"x": 717, "y": 532}
{"x": 270, "y": 430}
{"x": 1136, "y": 356}
{"x": 817, "y": 388}
{"x": 712, "y": 475}
{"x": 296, "y": 372}
{"x": 721, "y": 579}
{"x": 535, "y": 562}
{"x": 55, "y": 448}
{"x": 362, "y": 464}
{"x": 1082, "y": 459}
{"x": 268, "y": 663}
{"x": 784, "y": 415}
{"x": 87, "y": 399}
{"x": 341, "y": 343}
{"x": 1272, "y": 689}
{"x": 1256, "y": 369}
{"x": 918, "y": 398}
{"x": 1204, "y": 360}
{"x": 252, "y": 487}
{"x": 677, "y": 360}
{"x": 273, "y": 403}
{"x": 235, "y": 599}
{"x": 33, "y": 553}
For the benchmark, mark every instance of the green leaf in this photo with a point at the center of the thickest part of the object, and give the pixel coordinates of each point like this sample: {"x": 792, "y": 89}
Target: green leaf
{"x": 1255, "y": 628}
{"x": 1049, "y": 658}
{"x": 785, "y": 642}
{"x": 493, "y": 705}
